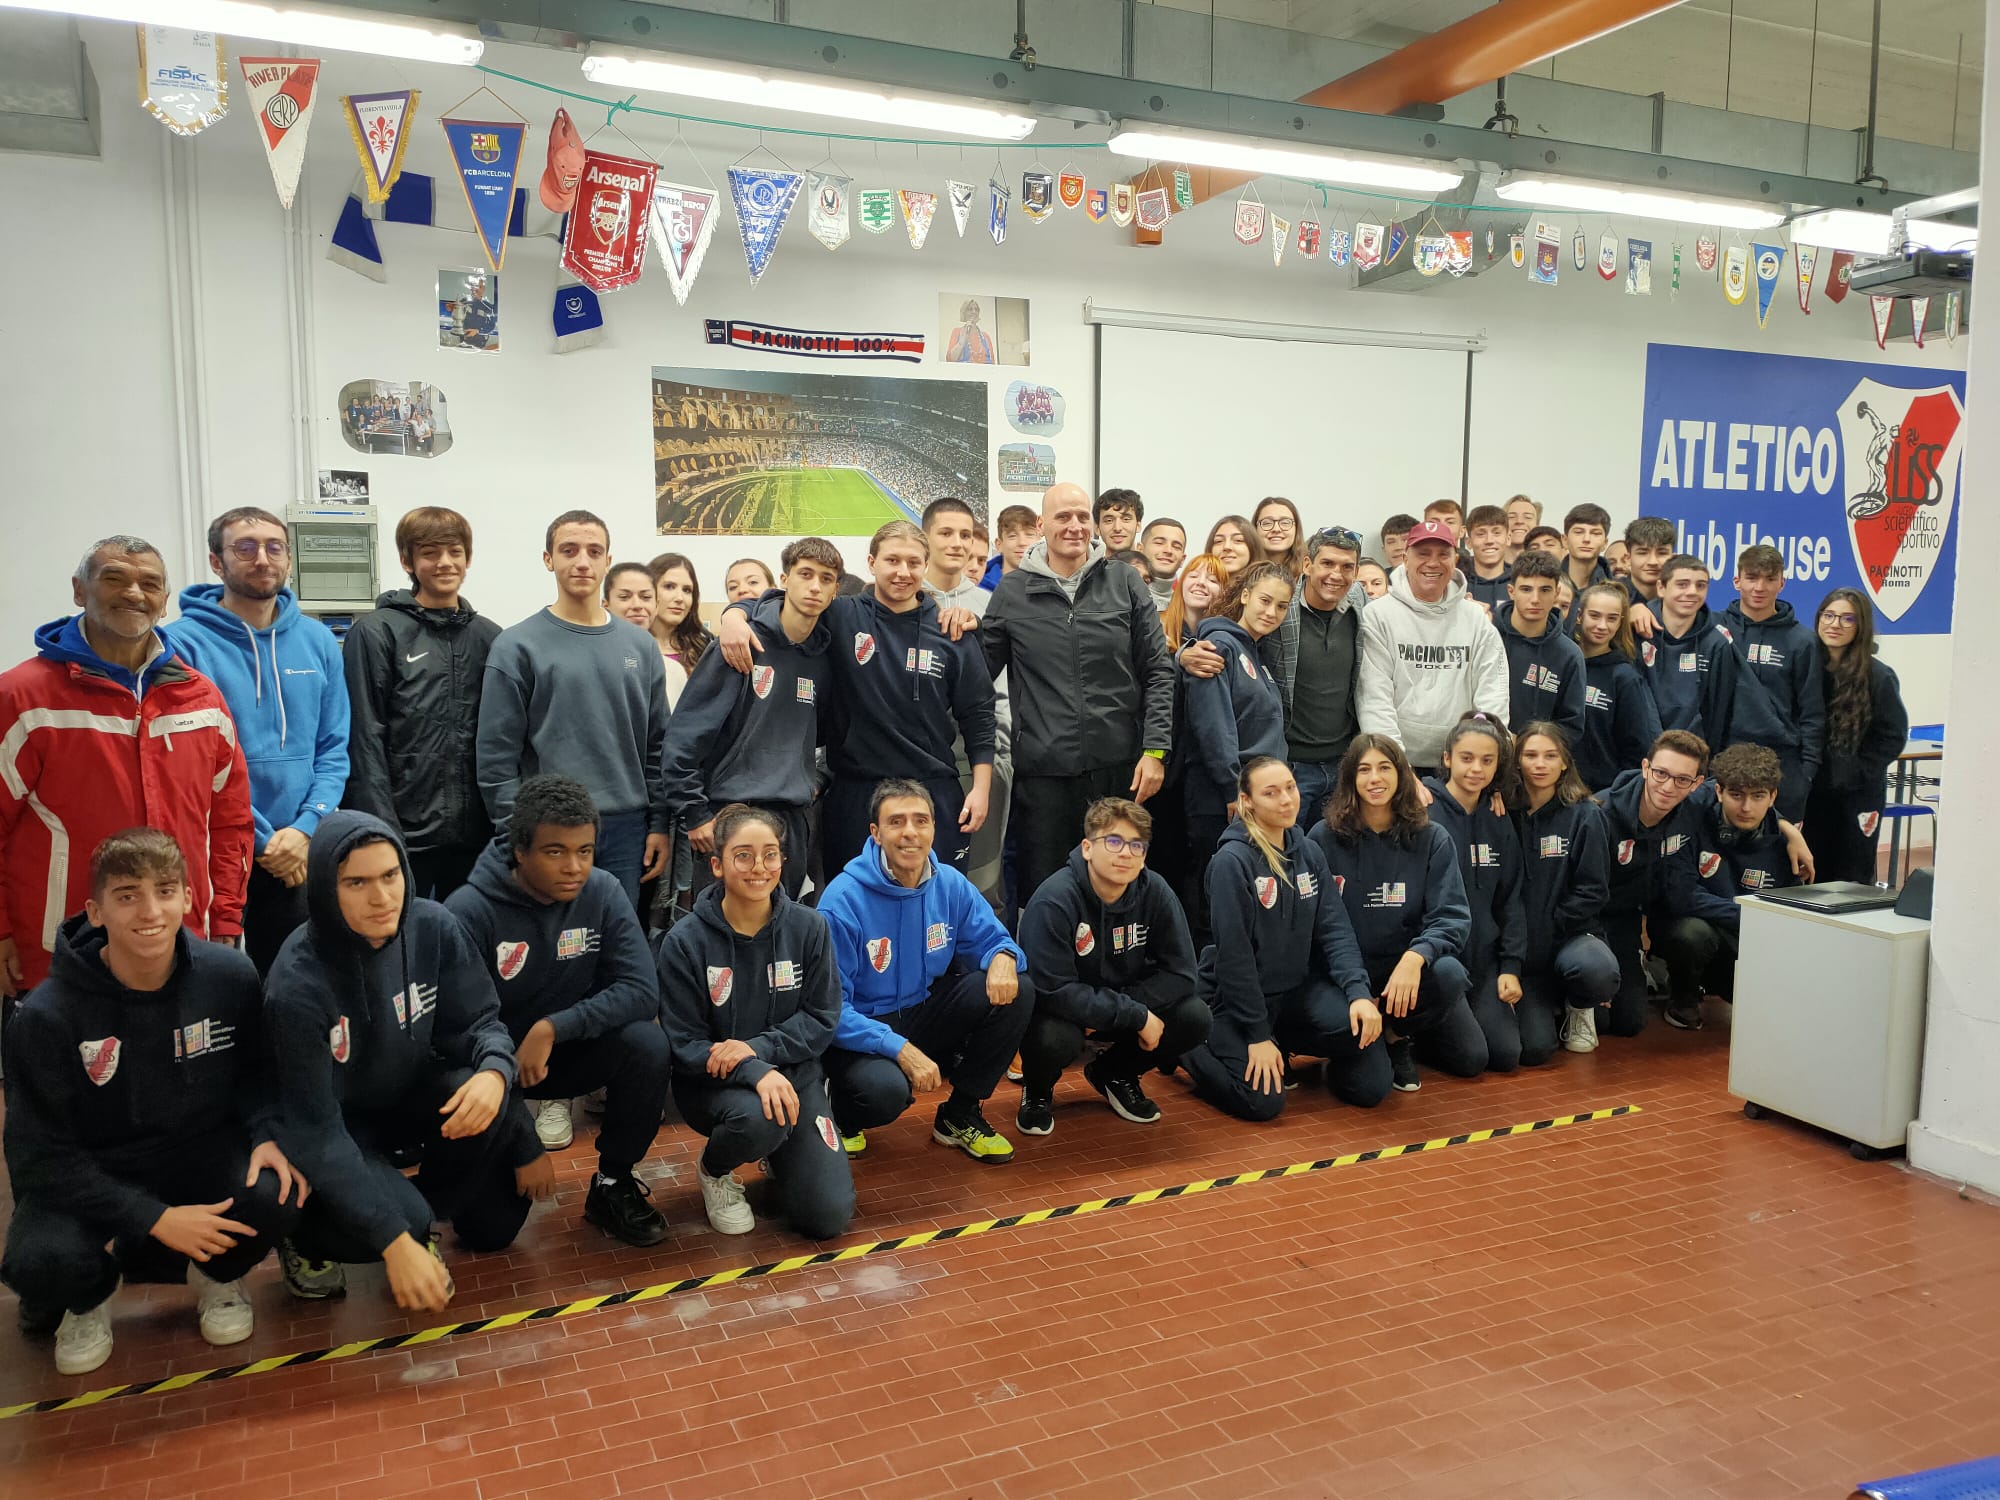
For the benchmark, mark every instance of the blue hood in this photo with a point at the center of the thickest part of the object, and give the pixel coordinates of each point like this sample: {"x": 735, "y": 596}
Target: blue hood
{"x": 63, "y": 640}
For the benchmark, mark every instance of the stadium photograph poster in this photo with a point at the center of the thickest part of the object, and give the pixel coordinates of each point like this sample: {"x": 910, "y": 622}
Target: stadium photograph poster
{"x": 774, "y": 453}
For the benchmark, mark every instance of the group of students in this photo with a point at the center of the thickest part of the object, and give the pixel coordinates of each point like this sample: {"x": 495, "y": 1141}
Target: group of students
{"x": 491, "y": 871}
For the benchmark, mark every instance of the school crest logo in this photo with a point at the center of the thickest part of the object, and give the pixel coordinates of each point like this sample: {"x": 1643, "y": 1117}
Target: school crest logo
{"x": 509, "y": 959}
{"x": 721, "y": 985}
{"x": 341, "y": 1040}
{"x": 1900, "y": 451}
{"x": 1868, "y": 822}
{"x": 761, "y": 678}
{"x": 1267, "y": 891}
{"x": 1249, "y": 667}
{"x": 1086, "y": 940}
{"x": 827, "y": 1133}
{"x": 100, "y": 1059}
{"x": 1625, "y": 849}
{"x": 1708, "y": 864}
{"x": 864, "y": 647}
{"x": 1649, "y": 651}
{"x": 1340, "y": 885}
{"x": 880, "y": 951}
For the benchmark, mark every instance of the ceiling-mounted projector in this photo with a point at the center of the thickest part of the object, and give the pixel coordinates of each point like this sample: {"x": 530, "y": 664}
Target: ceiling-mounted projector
{"x": 1915, "y": 273}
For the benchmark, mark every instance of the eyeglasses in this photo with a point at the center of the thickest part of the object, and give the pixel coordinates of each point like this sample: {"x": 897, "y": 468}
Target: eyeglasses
{"x": 750, "y": 859}
{"x": 1679, "y": 783}
{"x": 1275, "y": 523}
{"x": 248, "y": 547}
{"x": 1336, "y": 536}
{"x": 1830, "y": 618}
{"x": 1117, "y": 843}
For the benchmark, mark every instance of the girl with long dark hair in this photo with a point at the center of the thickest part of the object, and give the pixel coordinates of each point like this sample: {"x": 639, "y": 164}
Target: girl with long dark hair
{"x": 1280, "y": 535}
{"x": 1567, "y": 969}
{"x": 1232, "y": 541}
{"x": 1866, "y": 729}
{"x": 1620, "y": 718}
{"x": 677, "y": 619}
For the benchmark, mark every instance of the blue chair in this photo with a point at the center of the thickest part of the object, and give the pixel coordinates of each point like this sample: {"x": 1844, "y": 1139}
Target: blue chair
{"x": 1978, "y": 1480}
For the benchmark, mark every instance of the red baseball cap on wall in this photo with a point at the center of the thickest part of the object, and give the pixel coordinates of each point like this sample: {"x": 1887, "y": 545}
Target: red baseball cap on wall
{"x": 559, "y": 181}
{"x": 1431, "y": 531}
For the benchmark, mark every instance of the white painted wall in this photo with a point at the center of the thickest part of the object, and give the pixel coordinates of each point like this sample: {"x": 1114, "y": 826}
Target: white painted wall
{"x": 1556, "y": 403}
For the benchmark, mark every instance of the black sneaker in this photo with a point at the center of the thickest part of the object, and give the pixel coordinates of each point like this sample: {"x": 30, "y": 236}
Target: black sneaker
{"x": 1403, "y": 1067}
{"x": 310, "y": 1280}
{"x": 618, "y": 1206}
{"x": 1036, "y": 1116}
{"x": 1127, "y": 1100}
{"x": 40, "y": 1322}
{"x": 1684, "y": 1013}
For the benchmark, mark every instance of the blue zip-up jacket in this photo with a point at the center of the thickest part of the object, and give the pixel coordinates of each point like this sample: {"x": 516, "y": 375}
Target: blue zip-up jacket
{"x": 748, "y": 736}
{"x": 581, "y": 965}
{"x": 1620, "y": 720}
{"x": 906, "y": 692}
{"x": 1732, "y": 862}
{"x": 1565, "y": 878}
{"x": 892, "y": 943}
{"x": 1652, "y": 869}
{"x": 1401, "y": 898}
{"x": 1489, "y": 863}
{"x": 1230, "y": 717}
{"x": 1693, "y": 677}
{"x": 287, "y": 691}
{"x": 1288, "y": 926}
{"x": 1107, "y": 968}
{"x": 1780, "y": 702}
{"x": 1545, "y": 678}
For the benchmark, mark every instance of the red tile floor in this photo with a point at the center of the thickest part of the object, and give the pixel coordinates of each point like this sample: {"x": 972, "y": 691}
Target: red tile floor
{"x": 1679, "y": 1302}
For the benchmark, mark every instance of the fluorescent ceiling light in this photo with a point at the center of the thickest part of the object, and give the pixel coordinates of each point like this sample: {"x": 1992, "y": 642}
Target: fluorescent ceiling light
{"x": 1868, "y": 234}
{"x": 1644, "y": 203}
{"x": 794, "y": 94}
{"x": 303, "y": 26}
{"x": 1267, "y": 158}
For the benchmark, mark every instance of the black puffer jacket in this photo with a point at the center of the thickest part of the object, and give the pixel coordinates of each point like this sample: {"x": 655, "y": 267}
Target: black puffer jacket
{"x": 413, "y": 677}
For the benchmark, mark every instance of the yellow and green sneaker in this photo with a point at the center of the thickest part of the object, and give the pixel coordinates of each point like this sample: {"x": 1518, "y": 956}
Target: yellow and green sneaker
{"x": 967, "y": 1129}
{"x": 854, "y": 1144}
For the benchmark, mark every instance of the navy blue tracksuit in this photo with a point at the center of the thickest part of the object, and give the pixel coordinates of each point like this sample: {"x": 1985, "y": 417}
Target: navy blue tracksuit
{"x": 1227, "y": 719}
{"x": 1779, "y": 700}
{"x": 1729, "y": 862}
{"x": 1489, "y": 862}
{"x": 1620, "y": 720}
{"x": 1565, "y": 880}
{"x": 1652, "y": 883}
{"x": 1693, "y": 677}
{"x": 1545, "y": 678}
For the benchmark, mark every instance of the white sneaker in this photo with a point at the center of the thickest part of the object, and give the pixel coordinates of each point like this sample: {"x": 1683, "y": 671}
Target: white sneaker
{"x": 552, "y": 1124}
{"x": 728, "y": 1209}
{"x": 83, "y": 1342}
{"x": 226, "y": 1314}
{"x": 1580, "y": 1030}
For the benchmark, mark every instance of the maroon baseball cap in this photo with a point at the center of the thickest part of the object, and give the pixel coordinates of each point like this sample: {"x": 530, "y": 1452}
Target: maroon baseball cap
{"x": 558, "y": 187}
{"x": 1431, "y": 531}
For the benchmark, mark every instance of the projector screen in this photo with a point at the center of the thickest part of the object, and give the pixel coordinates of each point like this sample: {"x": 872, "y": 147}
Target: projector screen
{"x": 1203, "y": 425}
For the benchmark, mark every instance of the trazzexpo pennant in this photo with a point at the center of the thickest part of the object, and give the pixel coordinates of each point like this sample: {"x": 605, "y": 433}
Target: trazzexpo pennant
{"x": 283, "y": 91}
{"x": 604, "y": 246}
{"x": 683, "y": 223}
{"x": 183, "y": 79}
{"x": 380, "y": 126}
{"x": 487, "y": 156}
{"x": 764, "y": 201}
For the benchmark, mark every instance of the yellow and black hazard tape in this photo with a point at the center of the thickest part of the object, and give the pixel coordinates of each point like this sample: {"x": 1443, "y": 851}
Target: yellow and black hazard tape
{"x": 796, "y": 1263}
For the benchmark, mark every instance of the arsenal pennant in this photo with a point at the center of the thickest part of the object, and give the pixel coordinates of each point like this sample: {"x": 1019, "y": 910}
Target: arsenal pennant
{"x": 764, "y": 201}
{"x": 826, "y": 213}
{"x": 379, "y": 124}
{"x": 1837, "y": 271}
{"x": 1121, "y": 203}
{"x": 1183, "y": 189}
{"x": 1037, "y": 195}
{"x": 1883, "y": 309}
{"x": 1736, "y": 275}
{"x": 1920, "y": 313}
{"x": 1249, "y": 226}
{"x": 1367, "y": 246}
{"x": 183, "y": 79}
{"x": 1069, "y": 189}
{"x": 1281, "y": 233}
{"x": 283, "y": 91}
{"x": 1153, "y": 210}
{"x": 1607, "y": 256}
{"x": 605, "y": 243}
{"x": 918, "y": 209}
{"x": 878, "y": 209}
{"x": 1308, "y": 238}
{"x": 1097, "y": 205}
{"x": 1808, "y": 257}
{"x": 683, "y": 223}
{"x": 962, "y": 194}
{"x": 487, "y": 154}
{"x": 1770, "y": 261}
{"x": 997, "y": 198}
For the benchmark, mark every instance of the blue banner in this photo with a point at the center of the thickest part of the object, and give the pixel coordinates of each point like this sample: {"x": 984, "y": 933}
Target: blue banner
{"x": 1851, "y": 470}
{"x": 487, "y": 154}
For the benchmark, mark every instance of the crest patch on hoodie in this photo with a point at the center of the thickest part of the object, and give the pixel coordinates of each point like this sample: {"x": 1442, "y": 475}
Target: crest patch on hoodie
{"x": 880, "y": 951}
{"x": 341, "y": 1039}
{"x": 1709, "y": 863}
{"x": 1086, "y": 940}
{"x": 864, "y": 647}
{"x": 100, "y": 1059}
{"x": 721, "y": 985}
{"x": 1267, "y": 891}
{"x": 509, "y": 959}
{"x": 761, "y": 678}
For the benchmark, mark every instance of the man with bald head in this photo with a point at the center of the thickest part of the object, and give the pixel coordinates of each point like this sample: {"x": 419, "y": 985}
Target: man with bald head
{"x": 106, "y": 728}
{"x": 1091, "y": 680}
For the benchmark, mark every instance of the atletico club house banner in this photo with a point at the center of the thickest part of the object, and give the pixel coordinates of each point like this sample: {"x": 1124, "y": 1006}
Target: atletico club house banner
{"x": 1850, "y": 470}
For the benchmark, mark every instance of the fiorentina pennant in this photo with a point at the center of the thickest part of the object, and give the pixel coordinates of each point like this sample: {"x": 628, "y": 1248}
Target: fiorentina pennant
{"x": 1397, "y": 235}
{"x": 918, "y": 209}
{"x": 1097, "y": 205}
{"x": 961, "y": 194}
{"x": 1183, "y": 189}
{"x": 1121, "y": 203}
{"x": 1458, "y": 252}
{"x": 1517, "y": 248}
{"x": 183, "y": 78}
{"x": 878, "y": 209}
{"x": 1735, "y": 275}
{"x": 1704, "y": 252}
{"x": 379, "y": 124}
{"x": 1367, "y": 246}
{"x": 826, "y": 208}
{"x": 1883, "y": 308}
{"x": 1281, "y": 234}
{"x": 1837, "y": 271}
{"x": 1069, "y": 189}
{"x": 1920, "y": 313}
{"x": 487, "y": 156}
{"x": 1808, "y": 257}
{"x": 604, "y": 239}
{"x": 1607, "y": 256}
{"x": 1638, "y": 268}
{"x": 764, "y": 201}
{"x": 1340, "y": 246}
{"x": 1037, "y": 195}
{"x": 997, "y": 197}
{"x": 1153, "y": 209}
{"x": 1770, "y": 262}
{"x": 1309, "y": 238}
{"x": 283, "y": 91}
{"x": 1430, "y": 253}
{"x": 1576, "y": 250}
{"x": 683, "y": 224}
{"x": 1249, "y": 225}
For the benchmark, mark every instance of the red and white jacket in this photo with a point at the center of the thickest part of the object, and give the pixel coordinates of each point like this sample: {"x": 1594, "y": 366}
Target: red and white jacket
{"x": 82, "y": 756}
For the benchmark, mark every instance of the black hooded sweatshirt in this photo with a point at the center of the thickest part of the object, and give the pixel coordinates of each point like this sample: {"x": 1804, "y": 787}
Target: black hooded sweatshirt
{"x": 1106, "y": 968}
{"x": 106, "y": 1086}
{"x": 358, "y": 1030}
{"x": 581, "y": 965}
{"x": 1489, "y": 862}
{"x": 779, "y": 991}
{"x": 1566, "y": 876}
{"x": 1400, "y": 897}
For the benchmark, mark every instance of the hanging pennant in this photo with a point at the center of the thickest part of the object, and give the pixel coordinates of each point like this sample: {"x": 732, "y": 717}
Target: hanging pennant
{"x": 1837, "y": 271}
{"x": 283, "y": 91}
{"x": 579, "y": 321}
{"x": 1576, "y": 249}
{"x": 1367, "y": 246}
{"x": 1674, "y": 290}
{"x": 1458, "y": 252}
{"x": 764, "y": 201}
{"x": 997, "y": 198}
{"x": 604, "y": 239}
{"x": 1281, "y": 234}
{"x": 1097, "y": 204}
{"x": 353, "y": 244}
{"x": 1069, "y": 188}
{"x": 1037, "y": 195}
{"x": 379, "y": 124}
{"x": 1736, "y": 275}
{"x": 1154, "y": 210}
{"x": 1398, "y": 234}
{"x": 183, "y": 78}
{"x": 1638, "y": 268}
{"x": 1770, "y": 261}
{"x": 1882, "y": 308}
{"x": 683, "y": 224}
{"x": 961, "y": 194}
{"x": 1122, "y": 199}
{"x": 1183, "y": 189}
{"x": 826, "y": 208}
{"x": 487, "y": 156}
{"x": 1489, "y": 247}
{"x": 878, "y": 209}
{"x": 1340, "y": 246}
{"x": 1920, "y": 312}
{"x": 918, "y": 209}
{"x": 1249, "y": 226}
{"x": 1309, "y": 237}
{"x": 1430, "y": 253}
{"x": 1807, "y": 257}
{"x": 1548, "y": 254}
{"x": 1517, "y": 248}
{"x": 1607, "y": 256}
{"x": 1704, "y": 252}
{"x": 1951, "y": 305}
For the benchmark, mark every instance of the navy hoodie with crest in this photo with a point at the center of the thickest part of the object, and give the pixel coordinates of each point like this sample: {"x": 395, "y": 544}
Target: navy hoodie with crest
{"x": 1565, "y": 878}
{"x": 1106, "y": 967}
{"x": 1731, "y": 861}
{"x": 1779, "y": 700}
{"x": 1652, "y": 869}
{"x": 1489, "y": 864}
{"x": 1693, "y": 676}
{"x": 360, "y": 1030}
{"x": 1620, "y": 719}
{"x": 107, "y": 1086}
{"x": 1400, "y": 897}
{"x": 1231, "y": 717}
{"x": 1545, "y": 678}
{"x": 582, "y": 965}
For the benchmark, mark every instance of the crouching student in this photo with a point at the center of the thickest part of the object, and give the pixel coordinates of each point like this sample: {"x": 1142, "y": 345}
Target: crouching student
{"x": 388, "y": 1041}
{"x": 138, "y": 1137}
{"x": 1108, "y": 946}
{"x": 1567, "y": 971}
{"x": 577, "y": 995}
{"x": 1477, "y": 761}
{"x": 1397, "y": 874}
{"x": 1284, "y": 975}
{"x": 932, "y": 986}
{"x": 1740, "y": 849}
{"x": 752, "y": 997}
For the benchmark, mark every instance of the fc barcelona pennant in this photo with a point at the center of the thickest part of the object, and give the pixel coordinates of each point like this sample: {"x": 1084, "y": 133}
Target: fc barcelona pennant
{"x": 283, "y": 91}
{"x": 487, "y": 156}
{"x": 604, "y": 245}
{"x": 380, "y": 126}
{"x": 183, "y": 78}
